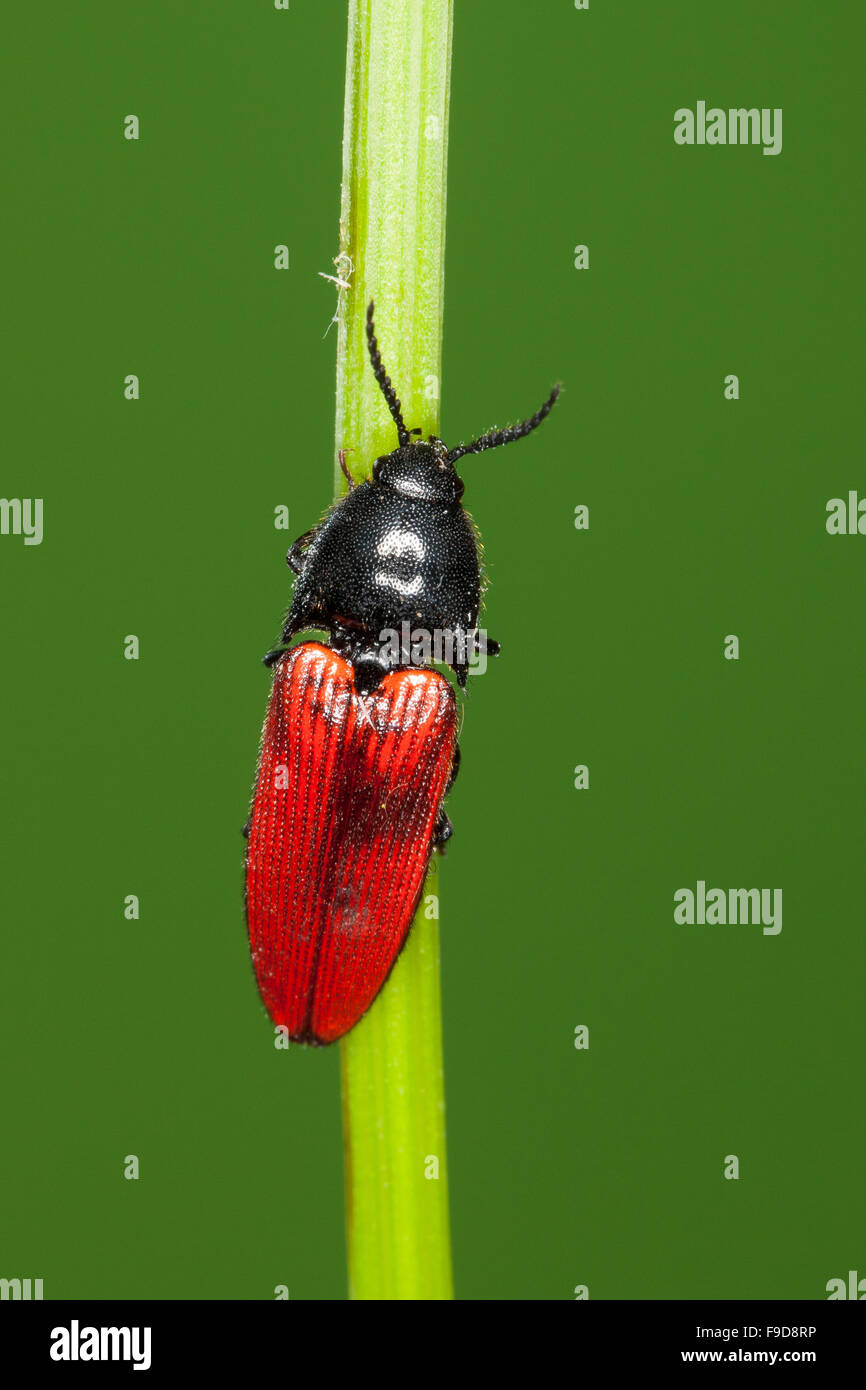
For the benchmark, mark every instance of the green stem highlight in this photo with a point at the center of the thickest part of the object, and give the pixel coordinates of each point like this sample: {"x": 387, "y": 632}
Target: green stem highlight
{"x": 392, "y": 249}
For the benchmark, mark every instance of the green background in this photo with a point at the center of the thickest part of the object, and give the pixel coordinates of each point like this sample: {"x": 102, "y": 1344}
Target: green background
{"x": 707, "y": 517}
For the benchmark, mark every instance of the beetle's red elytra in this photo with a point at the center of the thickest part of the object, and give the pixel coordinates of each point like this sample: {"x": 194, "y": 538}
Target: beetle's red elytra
{"x": 348, "y": 790}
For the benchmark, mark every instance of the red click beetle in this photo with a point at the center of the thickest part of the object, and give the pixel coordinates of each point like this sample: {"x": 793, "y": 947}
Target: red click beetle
{"x": 359, "y": 744}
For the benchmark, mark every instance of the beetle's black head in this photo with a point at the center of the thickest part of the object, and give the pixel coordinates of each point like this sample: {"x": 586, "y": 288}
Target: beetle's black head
{"x": 425, "y": 469}
{"x": 421, "y": 470}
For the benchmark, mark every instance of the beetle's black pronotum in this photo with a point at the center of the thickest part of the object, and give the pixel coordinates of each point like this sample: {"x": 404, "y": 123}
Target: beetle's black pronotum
{"x": 398, "y": 549}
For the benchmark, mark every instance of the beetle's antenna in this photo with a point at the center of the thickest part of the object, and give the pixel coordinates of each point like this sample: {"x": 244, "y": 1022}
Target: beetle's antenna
{"x": 494, "y": 438}
{"x": 385, "y": 381}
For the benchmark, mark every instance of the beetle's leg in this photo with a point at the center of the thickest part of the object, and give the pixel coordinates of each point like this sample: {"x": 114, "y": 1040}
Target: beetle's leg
{"x": 455, "y": 768}
{"x": 344, "y": 470}
{"x": 444, "y": 829}
{"x": 295, "y": 562}
{"x": 294, "y": 559}
{"x": 472, "y": 644}
{"x": 442, "y": 833}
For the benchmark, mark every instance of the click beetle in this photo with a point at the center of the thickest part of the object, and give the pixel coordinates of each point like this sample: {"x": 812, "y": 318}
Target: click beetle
{"x": 359, "y": 745}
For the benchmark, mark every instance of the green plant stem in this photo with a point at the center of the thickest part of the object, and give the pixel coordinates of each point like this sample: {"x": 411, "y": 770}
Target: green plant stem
{"x": 392, "y": 248}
